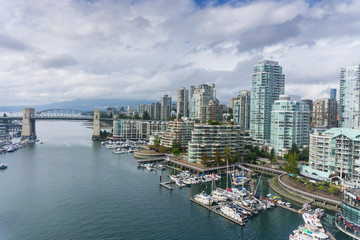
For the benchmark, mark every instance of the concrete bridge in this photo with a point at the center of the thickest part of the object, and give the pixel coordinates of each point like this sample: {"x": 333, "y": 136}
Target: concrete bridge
{"x": 30, "y": 116}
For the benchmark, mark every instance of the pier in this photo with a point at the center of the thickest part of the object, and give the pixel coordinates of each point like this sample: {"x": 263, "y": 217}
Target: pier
{"x": 148, "y": 160}
{"x": 215, "y": 209}
{"x": 167, "y": 185}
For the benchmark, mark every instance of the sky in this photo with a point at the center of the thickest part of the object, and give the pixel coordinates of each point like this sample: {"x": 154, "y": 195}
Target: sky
{"x": 52, "y": 51}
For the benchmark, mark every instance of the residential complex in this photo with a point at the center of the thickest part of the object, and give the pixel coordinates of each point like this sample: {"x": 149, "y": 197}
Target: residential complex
{"x": 177, "y": 131}
{"x": 325, "y": 113}
{"x": 200, "y": 97}
{"x": 349, "y": 111}
{"x": 207, "y": 139}
{"x": 267, "y": 85}
{"x": 241, "y": 110}
{"x": 290, "y": 123}
{"x": 137, "y": 129}
{"x": 335, "y": 152}
{"x": 183, "y": 103}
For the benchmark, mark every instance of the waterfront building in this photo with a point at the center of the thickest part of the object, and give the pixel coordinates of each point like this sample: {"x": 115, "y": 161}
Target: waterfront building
{"x": 200, "y": 96}
{"x": 333, "y": 94}
{"x": 215, "y": 111}
{"x": 349, "y": 111}
{"x": 267, "y": 85}
{"x": 290, "y": 123}
{"x": 241, "y": 110}
{"x": 348, "y": 219}
{"x": 137, "y": 129}
{"x": 183, "y": 102}
{"x": 165, "y": 108}
{"x": 177, "y": 131}
{"x": 335, "y": 152}
{"x": 207, "y": 139}
{"x": 325, "y": 113}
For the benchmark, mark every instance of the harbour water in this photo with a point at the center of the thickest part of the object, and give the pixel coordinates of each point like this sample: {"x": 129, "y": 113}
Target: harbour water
{"x": 70, "y": 187}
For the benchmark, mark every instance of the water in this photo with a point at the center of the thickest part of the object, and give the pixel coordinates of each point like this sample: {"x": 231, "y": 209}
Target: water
{"x": 73, "y": 188}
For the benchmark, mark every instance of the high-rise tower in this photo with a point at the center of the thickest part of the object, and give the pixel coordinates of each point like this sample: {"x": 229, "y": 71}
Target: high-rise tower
{"x": 267, "y": 85}
{"x": 349, "y": 112}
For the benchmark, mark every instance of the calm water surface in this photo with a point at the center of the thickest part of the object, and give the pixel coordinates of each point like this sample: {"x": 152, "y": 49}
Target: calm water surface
{"x": 73, "y": 188}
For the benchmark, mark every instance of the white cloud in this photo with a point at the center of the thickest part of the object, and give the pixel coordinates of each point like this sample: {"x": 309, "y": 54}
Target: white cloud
{"x": 61, "y": 50}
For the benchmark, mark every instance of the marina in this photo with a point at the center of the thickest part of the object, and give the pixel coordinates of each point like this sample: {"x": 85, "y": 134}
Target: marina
{"x": 96, "y": 178}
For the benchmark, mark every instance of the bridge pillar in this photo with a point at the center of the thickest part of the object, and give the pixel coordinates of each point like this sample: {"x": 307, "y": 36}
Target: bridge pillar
{"x": 96, "y": 125}
{"x": 28, "y": 123}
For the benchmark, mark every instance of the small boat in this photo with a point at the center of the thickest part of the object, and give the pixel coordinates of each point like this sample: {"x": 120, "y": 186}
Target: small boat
{"x": 3, "y": 166}
{"x": 308, "y": 232}
{"x": 312, "y": 219}
{"x": 232, "y": 213}
{"x": 204, "y": 198}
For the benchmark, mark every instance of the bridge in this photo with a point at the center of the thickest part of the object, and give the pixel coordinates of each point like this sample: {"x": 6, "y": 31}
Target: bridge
{"x": 30, "y": 116}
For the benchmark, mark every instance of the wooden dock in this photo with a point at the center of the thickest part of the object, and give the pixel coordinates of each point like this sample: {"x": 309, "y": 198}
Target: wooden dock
{"x": 167, "y": 185}
{"x": 215, "y": 209}
{"x": 288, "y": 208}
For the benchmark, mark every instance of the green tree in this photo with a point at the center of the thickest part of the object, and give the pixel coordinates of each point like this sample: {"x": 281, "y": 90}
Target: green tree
{"x": 217, "y": 157}
{"x": 171, "y": 117}
{"x": 291, "y": 165}
{"x": 304, "y": 155}
{"x": 237, "y": 156}
{"x": 204, "y": 159}
{"x": 146, "y": 116}
{"x": 179, "y": 116}
{"x": 251, "y": 157}
{"x": 333, "y": 190}
{"x": 227, "y": 153}
{"x": 157, "y": 140}
{"x": 272, "y": 156}
{"x": 175, "y": 148}
{"x": 136, "y": 116}
{"x": 294, "y": 149}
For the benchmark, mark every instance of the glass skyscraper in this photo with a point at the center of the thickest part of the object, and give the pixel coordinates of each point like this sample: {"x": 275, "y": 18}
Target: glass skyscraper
{"x": 267, "y": 85}
{"x": 349, "y": 97}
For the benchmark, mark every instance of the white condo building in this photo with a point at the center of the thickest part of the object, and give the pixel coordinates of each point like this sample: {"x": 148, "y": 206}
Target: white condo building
{"x": 290, "y": 123}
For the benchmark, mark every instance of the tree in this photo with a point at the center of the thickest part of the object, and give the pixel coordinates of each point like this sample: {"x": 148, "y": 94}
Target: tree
{"x": 304, "y": 156}
{"x": 175, "y": 148}
{"x": 333, "y": 190}
{"x": 237, "y": 156}
{"x": 204, "y": 159}
{"x": 294, "y": 149}
{"x": 227, "y": 153}
{"x": 217, "y": 157}
{"x": 171, "y": 117}
{"x": 291, "y": 165}
{"x": 136, "y": 116}
{"x": 146, "y": 116}
{"x": 251, "y": 157}
{"x": 157, "y": 140}
{"x": 272, "y": 156}
{"x": 179, "y": 116}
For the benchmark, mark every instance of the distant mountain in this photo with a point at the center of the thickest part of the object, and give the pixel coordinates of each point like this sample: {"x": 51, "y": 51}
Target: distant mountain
{"x": 81, "y": 104}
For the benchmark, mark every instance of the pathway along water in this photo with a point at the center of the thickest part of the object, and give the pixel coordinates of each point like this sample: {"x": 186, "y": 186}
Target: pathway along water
{"x": 72, "y": 188}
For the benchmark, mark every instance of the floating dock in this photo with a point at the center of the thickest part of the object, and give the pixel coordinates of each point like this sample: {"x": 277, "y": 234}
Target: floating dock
{"x": 167, "y": 185}
{"x": 216, "y": 210}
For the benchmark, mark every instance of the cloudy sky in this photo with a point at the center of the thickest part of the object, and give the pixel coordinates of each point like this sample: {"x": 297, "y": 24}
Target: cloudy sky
{"x": 53, "y": 50}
